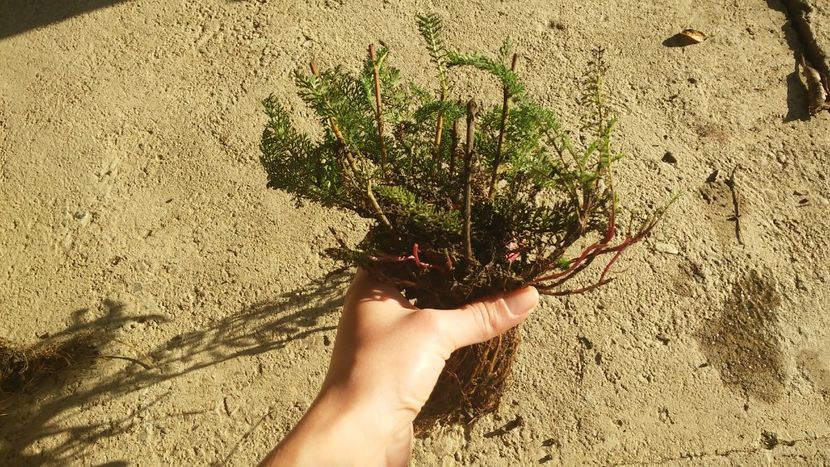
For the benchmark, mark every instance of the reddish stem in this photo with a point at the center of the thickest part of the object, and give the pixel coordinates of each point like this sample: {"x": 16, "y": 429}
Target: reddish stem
{"x": 576, "y": 291}
{"x": 593, "y": 251}
{"x": 602, "y": 280}
{"x": 414, "y": 257}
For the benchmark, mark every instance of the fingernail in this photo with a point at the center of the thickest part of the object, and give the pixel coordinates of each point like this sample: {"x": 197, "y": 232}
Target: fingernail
{"x": 522, "y": 301}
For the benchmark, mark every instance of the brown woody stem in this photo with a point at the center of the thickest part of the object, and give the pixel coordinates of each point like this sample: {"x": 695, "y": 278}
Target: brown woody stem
{"x": 472, "y": 110}
{"x": 378, "y": 108}
{"x": 335, "y": 128}
{"x": 439, "y": 124}
{"x": 736, "y": 205}
{"x": 454, "y": 144}
{"x": 505, "y": 108}
{"x": 350, "y": 159}
{"x": 376, "y": 206}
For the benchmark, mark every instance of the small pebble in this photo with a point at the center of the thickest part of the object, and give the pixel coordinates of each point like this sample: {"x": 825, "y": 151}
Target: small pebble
{"x": 769, "y": 440}
{"x": 82, "y": 217}
{"x": 551, "y": 442}
{"x": 666, "y": 248}
{"x": 669, "y": 158}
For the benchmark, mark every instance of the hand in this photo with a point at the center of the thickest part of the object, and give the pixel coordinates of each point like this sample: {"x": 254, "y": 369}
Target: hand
{"x": 387, "y": 357}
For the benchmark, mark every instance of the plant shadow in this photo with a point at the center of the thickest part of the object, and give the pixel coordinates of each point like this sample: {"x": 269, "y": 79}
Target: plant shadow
{"x": 19, "y": 16}
{"x": 40, "y": 413}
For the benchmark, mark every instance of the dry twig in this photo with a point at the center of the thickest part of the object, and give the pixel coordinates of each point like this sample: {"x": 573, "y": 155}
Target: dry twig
{"x": 736, "y": 206}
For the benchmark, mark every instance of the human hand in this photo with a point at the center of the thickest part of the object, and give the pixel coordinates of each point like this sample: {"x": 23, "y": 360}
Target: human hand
{"x": 387, "y": 357}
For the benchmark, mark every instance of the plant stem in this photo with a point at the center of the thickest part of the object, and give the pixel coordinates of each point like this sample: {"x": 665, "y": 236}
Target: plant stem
{"x": 351, "y": 161}
{"x": 336, "y": 129}
{"x": 736, "y": 206}
{"x": 439, "y": 125}
{"x": 376, "y": 206}
{"x": 378, "y": 107}
{"x": 472, "y": 110}
{"x": 505, "y": 108}
{"x": 454, "y": 145}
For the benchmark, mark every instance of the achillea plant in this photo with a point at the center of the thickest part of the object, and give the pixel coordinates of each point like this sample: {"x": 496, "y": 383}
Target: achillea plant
{"x": 469, "y": 200}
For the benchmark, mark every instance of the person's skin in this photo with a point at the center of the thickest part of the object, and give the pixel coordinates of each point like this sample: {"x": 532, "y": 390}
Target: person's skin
{"x": 386, "y": 359}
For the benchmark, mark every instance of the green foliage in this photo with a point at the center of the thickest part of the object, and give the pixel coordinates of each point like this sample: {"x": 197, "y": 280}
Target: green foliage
{"x": 451, "y": 110}
{"x": 533, "y": 191}
{"x": 430, "y": 26}
{"x": 592, "y": 99}
{"x": 498, "y": 68}
{"x": 294, "y": 163}
{"x": 410, "y": 210}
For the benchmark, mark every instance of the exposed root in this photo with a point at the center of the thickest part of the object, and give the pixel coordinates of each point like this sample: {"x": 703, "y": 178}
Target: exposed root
{"x": 815, "y": 66}
{"x": 471, "y": 384}
{"x": 21, "y": 368}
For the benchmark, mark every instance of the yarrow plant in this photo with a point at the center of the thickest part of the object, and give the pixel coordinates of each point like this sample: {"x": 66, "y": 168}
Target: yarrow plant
{"x": 468, "y": 200}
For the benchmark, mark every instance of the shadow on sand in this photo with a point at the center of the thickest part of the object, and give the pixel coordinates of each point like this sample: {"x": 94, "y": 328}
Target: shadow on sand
{"x": 796, "y": 89}
{"x": 41, "y": 412}
{"x": 19, "y": 16}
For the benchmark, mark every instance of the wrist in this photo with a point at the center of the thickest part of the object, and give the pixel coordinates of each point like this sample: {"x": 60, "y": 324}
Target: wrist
{"x": 339, "y": 429}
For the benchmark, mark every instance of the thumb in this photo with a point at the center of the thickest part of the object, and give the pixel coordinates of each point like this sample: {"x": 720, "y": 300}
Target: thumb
{"x": 488, "y": 318}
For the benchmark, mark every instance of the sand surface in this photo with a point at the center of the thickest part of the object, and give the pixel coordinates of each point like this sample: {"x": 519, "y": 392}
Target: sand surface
{"x": 132, "y": 203}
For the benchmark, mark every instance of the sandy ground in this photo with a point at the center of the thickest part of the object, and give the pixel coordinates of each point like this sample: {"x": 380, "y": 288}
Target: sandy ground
{"x": 132, "y": 203}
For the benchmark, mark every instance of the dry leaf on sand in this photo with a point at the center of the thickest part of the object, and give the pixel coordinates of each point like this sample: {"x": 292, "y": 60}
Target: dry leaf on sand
{"x": 694, "y": 36}
{"x": 685, "y": 38}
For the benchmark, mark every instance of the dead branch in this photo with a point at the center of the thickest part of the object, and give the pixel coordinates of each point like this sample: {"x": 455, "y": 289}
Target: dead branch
{"x": 472, "y": 110}
{"x": 736, "y": 206}
{"x": 378, "y": 108}
{"x": 505, "y": 109}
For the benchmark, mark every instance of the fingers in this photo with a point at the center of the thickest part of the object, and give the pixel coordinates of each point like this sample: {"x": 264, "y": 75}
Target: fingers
{"x": 486, "y": 319}
{"x": 363, "y": 288}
